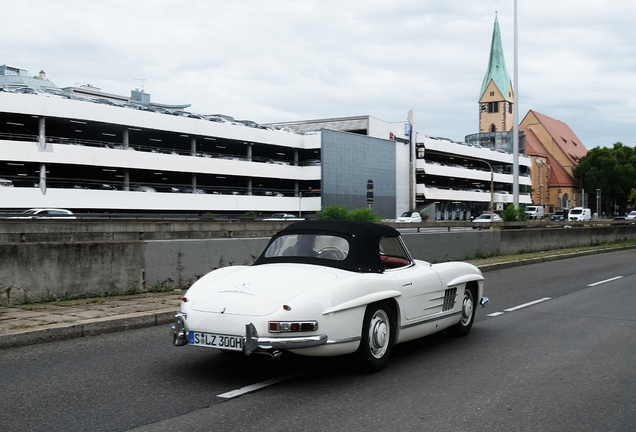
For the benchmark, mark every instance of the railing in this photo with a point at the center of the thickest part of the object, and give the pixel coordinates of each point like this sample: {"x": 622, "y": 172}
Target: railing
{"x": 66, "y": 183}
{"x": 135, "y": 147}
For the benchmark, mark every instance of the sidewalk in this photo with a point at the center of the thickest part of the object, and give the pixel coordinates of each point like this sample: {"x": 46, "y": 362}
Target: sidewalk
{"x": 45, "y": 322}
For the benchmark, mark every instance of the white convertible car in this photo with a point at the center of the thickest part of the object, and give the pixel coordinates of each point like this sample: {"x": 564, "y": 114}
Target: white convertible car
{"x": 326, "y": 288}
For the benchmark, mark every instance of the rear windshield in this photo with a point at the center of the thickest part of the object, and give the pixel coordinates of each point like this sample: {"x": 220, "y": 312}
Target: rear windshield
{"x": 309, "y": 245}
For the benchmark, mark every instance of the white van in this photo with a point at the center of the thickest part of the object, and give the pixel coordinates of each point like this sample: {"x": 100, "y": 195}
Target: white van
{"x": 534, "y": 212}
{"x": 580, "y": 214}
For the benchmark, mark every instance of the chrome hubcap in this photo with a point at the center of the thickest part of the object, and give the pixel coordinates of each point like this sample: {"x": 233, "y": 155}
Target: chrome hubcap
{"x": 379, "y": 333}
{"x": 467, "y": 308}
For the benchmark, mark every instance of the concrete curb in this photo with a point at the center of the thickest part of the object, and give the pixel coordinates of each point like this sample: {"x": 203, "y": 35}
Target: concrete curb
{"x": 92, "y": 327}
{"x": 510, "y": 264}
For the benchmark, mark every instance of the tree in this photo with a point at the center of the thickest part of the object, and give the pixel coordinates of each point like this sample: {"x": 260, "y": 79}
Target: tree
{"x": 613, "y": 170}
{"x": 631, "y": 200}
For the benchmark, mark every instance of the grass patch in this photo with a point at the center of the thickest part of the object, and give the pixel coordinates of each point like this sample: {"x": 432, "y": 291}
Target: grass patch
{"x": 34, "y": 307}
{"x": 486, "y": 255}
{"x": 162, "y": 288}
{"x": 549, "y": 252}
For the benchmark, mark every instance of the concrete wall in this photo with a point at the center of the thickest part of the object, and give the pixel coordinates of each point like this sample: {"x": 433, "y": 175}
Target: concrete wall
{"x": 51, "y": 270}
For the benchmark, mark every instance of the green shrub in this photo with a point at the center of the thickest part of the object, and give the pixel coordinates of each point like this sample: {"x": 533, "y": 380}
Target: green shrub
{"x": 334, "y": 212}
{"x": 341, "y": 212}
{"x": 512, "y": 214}
{"x": 365, "y": 215}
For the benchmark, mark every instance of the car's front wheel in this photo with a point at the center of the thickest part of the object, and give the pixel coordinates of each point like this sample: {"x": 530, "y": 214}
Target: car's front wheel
{"x": 378, "y": 333}
{"x": 462, "y": 328}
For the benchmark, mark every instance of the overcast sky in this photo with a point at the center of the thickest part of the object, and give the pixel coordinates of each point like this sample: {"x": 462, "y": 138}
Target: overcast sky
{"x": 278, "y": 60}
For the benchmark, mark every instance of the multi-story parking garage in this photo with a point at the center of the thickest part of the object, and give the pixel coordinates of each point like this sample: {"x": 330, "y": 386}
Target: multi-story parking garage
{"x": 65, "y": 151}
{"x": 100, "y": 152}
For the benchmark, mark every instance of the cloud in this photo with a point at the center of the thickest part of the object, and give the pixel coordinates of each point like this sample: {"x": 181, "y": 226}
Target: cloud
{"x": 280, "y": 60}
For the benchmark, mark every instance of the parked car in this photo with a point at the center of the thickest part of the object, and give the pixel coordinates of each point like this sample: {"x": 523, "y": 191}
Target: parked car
{"x": 485, "y": 219}
{"x": 282, "y": 217}
{"x": 195, "y": 191}
{"x": 409, "y": 216}
{"x": 559, "y": 215}
{"x": 327, "y": 288}
{"x": 534, "y": 212}
{"x": 5, "y": 183}
{"x": 631, "y": 216}
{"x": 141, "y": 188}
{"x": 45, "y": 213}
{"x": 580, "y": 214}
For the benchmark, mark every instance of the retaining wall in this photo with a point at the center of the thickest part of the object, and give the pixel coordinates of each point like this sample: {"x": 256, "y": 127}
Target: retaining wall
{"x": 52, "y": 270}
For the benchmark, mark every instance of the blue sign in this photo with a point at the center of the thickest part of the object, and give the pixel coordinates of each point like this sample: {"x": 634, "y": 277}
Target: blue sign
{"x": 407, "y": 129}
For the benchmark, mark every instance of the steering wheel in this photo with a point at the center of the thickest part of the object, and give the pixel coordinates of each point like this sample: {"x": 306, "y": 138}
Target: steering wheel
{"x": 332, "y": 253}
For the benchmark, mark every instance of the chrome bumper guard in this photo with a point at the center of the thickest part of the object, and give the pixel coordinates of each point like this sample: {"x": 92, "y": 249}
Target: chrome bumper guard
{"x": 180, "y": 335}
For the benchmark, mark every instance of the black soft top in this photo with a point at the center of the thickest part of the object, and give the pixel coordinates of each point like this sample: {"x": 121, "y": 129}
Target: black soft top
{"x": 363, "y": 237}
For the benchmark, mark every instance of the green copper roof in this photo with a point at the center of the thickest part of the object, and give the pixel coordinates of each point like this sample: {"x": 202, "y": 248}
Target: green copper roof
{"x": 496, "y": 65}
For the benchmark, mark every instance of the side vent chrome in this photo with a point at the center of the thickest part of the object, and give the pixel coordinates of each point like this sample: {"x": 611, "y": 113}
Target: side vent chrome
{"x": 450, "y": 296}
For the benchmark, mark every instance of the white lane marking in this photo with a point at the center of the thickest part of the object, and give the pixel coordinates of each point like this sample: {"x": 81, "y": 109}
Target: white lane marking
{"x": 527, "y": 304}
{"x": 605, "y": 281}
{"x": 495, "y": 314}
{"x": 258, "y": 386}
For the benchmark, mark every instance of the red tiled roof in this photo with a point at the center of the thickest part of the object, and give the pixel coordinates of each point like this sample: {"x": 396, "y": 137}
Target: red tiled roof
{"x": 559, "y": 177}
{"x": 563, "y": 137}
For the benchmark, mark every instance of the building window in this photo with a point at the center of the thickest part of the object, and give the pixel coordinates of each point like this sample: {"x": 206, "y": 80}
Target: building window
{"x": 510, "y": 108}
{"x": 493, "y": 128}
{"x": 492, "y": 93}
{"x": 493, "y": 107}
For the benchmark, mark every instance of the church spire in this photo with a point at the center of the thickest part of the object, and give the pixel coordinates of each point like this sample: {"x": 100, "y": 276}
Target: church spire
{"x": 496, "y": 109}
{"x": 496, "y": 65}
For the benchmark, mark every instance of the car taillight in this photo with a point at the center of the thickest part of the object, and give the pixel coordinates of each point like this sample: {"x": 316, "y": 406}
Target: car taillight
{"x": 292, "y": 326}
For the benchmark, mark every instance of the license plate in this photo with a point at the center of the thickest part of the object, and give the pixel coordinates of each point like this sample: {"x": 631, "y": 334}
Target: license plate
{"x": 226, "y": 342}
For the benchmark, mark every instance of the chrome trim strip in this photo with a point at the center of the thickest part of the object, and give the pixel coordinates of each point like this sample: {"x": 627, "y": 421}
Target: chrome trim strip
{"x": 346, "y": 340}
{"x": 426, "y": 321}
{"x": 444, "y": 296}
{"x": 291, "y": 342}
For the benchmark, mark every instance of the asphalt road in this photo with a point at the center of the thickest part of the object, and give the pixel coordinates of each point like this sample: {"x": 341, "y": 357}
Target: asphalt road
{"x": 551, "y": 352}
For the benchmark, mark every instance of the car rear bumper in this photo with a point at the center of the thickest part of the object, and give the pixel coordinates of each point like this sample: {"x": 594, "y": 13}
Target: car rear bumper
{"x": 252, "y": 343}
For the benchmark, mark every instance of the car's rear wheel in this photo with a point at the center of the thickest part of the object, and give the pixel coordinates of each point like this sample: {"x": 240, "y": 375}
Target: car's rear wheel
{"x": 462, "y": 328}
{"x": 378, "y": 333}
